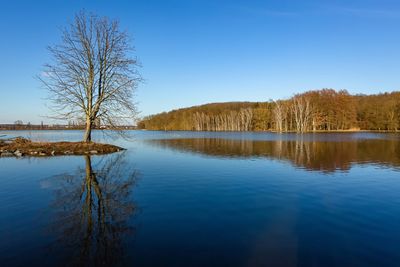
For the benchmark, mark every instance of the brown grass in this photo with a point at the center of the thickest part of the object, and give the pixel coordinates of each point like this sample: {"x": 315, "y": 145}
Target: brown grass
{"x": 24, "y": 146}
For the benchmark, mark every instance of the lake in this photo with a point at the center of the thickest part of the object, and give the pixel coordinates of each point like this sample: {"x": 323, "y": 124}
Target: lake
{"x": 205, "y": 199}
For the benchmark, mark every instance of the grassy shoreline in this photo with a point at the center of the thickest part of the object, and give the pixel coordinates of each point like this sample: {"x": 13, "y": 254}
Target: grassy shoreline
{"x": 272, "y": 131}
{"x": 20, "y": 147}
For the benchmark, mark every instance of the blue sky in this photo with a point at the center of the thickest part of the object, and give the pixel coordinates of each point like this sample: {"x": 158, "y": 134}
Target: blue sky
{"x": 195, "y": 52}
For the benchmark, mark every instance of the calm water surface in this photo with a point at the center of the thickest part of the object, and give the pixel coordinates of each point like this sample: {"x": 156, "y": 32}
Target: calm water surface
{"x": 205, "y": 199}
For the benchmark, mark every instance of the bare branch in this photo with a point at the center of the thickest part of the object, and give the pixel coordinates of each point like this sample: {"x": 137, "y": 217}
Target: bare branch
{"x": 92, "y": 74}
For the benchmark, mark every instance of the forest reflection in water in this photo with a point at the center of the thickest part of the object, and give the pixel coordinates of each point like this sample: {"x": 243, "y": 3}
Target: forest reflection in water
{"x": 92, "y": 208}
{"x": 325, "y": 156}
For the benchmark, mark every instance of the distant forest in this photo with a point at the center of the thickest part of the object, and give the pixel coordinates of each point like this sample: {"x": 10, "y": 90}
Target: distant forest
{"x": 318, "y": 110}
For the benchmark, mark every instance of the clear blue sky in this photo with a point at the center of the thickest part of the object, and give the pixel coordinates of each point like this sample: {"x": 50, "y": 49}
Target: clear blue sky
{"x": 195, "y": 52}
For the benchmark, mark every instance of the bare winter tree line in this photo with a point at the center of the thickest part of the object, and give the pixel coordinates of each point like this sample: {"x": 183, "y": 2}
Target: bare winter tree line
{"x": 232, "y": 121}
{"x": 319, "y": 110}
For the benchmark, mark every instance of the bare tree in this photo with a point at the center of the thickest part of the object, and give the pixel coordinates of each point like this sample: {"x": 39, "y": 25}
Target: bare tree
{"x": 302, "y": 112}
{"x": 279, "y": 115}
{"x": 93, "y": 75}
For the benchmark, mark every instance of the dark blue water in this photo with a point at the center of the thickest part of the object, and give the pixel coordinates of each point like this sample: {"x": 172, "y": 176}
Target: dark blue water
{"x": 205, "y": 199}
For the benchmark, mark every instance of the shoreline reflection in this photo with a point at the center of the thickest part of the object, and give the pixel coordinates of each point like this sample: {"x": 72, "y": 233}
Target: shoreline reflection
{"x": 324, "y": 156}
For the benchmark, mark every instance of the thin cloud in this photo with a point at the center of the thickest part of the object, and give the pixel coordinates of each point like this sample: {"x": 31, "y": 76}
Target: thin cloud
{"x": 367, "y": 12}
{"x": 265, "y": 12}
{"x": 44, "y": 74}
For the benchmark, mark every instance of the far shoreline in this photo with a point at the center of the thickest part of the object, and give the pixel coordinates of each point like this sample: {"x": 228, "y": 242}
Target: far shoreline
{"x": 272, "y": 131}
{"x": 177, "y": 130}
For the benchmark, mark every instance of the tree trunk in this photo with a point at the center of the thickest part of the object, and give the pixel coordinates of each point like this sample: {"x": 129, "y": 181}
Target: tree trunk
{"x": 88, "y": 131}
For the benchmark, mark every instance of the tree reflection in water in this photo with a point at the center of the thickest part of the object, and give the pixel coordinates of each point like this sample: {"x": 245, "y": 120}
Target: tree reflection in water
{"x": 92, "y": 209}
{"x": 325, "y": 156}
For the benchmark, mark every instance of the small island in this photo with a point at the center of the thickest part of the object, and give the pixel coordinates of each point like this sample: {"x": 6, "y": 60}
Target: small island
{"x": 19, "y": 147}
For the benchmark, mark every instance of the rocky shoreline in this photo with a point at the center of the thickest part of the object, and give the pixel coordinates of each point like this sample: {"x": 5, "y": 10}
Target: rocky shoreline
{"x": 20, "y": 147}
